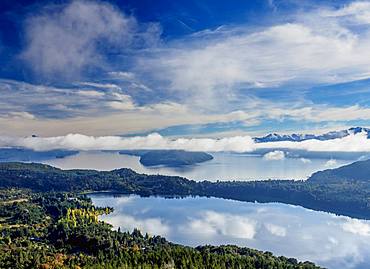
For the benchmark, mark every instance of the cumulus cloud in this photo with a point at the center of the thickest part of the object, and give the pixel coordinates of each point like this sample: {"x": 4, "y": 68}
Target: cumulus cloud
{"x": 275, "y": 155}
{"x": 356, "y": 226}
{"x": 276, "y": 229}
{"x": 330, "y": 163}
{"x": 67, "y": 39}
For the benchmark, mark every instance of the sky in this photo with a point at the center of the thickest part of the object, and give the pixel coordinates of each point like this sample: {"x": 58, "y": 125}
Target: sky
{"x": 186, "y": 68}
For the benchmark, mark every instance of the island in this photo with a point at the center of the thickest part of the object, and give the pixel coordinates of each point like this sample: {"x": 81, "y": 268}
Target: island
{"x": 172, "y": 158}
{"x": 27, "y": 155}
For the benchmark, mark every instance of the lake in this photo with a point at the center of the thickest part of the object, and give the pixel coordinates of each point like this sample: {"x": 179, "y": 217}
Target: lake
{"x": 224, "y": 166}
{"x": 326, "y": 239}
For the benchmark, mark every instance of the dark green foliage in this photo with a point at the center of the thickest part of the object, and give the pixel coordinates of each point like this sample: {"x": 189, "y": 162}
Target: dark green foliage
{"x": 55, "y": 241}
{"x": 343, "y": 198}
{"x": 26, "y": 155}
{"x": 357, "y": 171}
{"x": 40, "y": 177}
{"x": 337, "y": 195}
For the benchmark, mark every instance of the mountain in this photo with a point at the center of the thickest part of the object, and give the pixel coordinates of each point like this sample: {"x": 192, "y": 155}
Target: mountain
{"x": 302, "y": 137}
{"x": 357, "y": 171}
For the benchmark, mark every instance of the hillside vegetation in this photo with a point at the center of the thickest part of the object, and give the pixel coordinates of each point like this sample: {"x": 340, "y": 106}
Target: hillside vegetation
{"x": 338, "y": 195}
{"x": 62, "y": 230}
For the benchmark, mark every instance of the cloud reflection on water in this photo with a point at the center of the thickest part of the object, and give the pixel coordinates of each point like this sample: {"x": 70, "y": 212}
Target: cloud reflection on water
{"x": 329, "y": 240}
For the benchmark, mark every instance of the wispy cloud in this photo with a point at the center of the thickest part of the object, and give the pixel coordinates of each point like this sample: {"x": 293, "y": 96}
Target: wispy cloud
{"x": 67, "y": 40}
{"x": 107, "y": 108}
{"x": 217, "y": 64}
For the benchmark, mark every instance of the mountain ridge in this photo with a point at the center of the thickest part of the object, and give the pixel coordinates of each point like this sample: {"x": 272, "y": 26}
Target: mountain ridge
{"x": 357, "y": 171}
{"x": 274, "y": 137}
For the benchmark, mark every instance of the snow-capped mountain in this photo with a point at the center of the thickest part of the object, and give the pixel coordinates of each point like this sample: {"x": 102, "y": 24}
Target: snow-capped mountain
{"x": 301, "y": 137}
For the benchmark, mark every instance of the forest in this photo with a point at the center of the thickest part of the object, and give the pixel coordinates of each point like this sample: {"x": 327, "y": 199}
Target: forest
{"x": 341, "y": 194}
{"x": 50, "y": 230}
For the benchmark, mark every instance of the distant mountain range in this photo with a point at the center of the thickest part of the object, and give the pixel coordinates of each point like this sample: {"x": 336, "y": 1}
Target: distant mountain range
{"x": 302, "y": 137}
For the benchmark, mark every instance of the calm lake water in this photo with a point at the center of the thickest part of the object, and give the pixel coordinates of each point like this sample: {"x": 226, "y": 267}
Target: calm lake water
{"x": 328, "y": 240}
{"x": 224, "y": 166}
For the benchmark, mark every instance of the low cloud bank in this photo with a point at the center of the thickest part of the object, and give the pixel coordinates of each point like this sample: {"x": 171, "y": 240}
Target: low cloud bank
{"x": 151, "y": 141}
{"x": 351, "y": 143}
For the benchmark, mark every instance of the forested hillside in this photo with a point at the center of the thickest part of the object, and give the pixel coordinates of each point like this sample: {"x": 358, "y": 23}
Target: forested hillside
{"x": 357, "y": 171}
{"x": 345, "y": 197}
{"x": 62, "y": 230}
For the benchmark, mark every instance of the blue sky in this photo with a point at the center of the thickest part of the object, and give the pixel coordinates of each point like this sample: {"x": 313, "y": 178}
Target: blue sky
{"x": 183, "y": 68}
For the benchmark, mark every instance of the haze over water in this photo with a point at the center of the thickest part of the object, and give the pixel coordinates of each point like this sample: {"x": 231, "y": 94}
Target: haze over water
{"x": 224, "y": 166}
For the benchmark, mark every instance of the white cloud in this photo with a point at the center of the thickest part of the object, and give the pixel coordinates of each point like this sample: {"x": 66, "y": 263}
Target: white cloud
{"x": 325, "y": 113}
{"x": 122, "y": 75}
{"x": 152, "y": 141}
{"x": 304, "y": 160}
{"x": 67, "y": 39}
{"x": 122, "y": 102}
{"x": 275, "y": 155}
{"x": 355, "y": 12}
{"x": 276, "y": 229}
{"x": 330, "y": 163}
{"x": 213, "y": 65}
{"x": 351, "y": 143}
{"x": 101, "y": 85}
{"x": 356, "y": 226}
{"x": 105, "y": 108}
{"x": 90, "y": 93}
{"x": 21, "y": 115}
